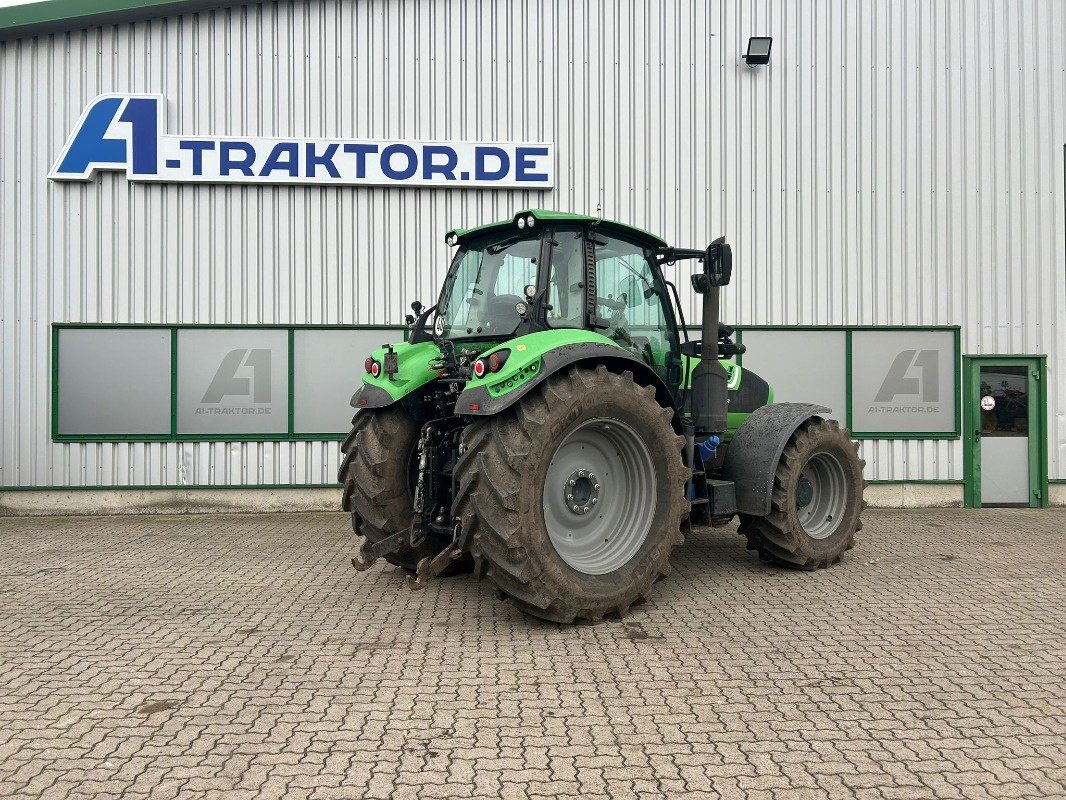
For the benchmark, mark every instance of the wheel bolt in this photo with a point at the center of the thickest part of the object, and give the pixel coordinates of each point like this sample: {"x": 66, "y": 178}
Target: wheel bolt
{"x": 573, "y": 482}
{"x": 595, "y": 500}
{"x": 596, "y": 487}
{"x": 592, "y": 477}
{"x": 581, "y": 473}
{"x": 585, "y": 510}
{"x": 570, "y": 498}
{"x": 576, "y": 509}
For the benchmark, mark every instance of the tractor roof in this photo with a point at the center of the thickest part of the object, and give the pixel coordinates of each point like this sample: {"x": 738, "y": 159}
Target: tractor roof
{"x": 543, "y": 215}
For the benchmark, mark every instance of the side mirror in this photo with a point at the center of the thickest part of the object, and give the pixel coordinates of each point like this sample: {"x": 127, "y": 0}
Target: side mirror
{"x": 718, "y": 263}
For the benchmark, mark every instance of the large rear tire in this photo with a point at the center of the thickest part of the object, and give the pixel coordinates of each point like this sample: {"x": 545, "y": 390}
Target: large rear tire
{"x": 816, "y": 501}
{"x": 590, "y": 456}
{"x": 376, "y": 474}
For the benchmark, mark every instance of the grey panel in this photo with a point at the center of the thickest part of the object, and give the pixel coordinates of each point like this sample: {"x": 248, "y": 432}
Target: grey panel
{"x": 801, "y": 366}
{"x": 114, "y": 381}
{"x": 233, "y": 381}
{"x": 328, "y": 368}
{"x": 1004, "y": 469}
{"x": 903, "y": 381}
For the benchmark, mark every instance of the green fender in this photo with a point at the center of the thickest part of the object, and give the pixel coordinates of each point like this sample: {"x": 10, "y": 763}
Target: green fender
{"x": 534, "y": 358}
{"x": 413, "y": 373}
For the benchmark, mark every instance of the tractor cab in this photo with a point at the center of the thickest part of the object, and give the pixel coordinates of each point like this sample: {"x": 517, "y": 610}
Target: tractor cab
{"x": 561, "y": 272}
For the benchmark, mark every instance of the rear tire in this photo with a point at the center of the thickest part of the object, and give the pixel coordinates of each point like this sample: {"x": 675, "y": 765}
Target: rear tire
{"x": 375, "y": 472}
{"x": 552, "y": 565}
{"x": 816, "y": 501}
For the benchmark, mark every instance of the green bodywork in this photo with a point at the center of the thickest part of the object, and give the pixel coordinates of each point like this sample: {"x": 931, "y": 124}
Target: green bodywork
{"x": 414, "y": 371}
{"x": 523, "y": 365}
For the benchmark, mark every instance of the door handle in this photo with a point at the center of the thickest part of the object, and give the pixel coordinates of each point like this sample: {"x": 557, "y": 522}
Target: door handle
{"x": 977, "y": 434}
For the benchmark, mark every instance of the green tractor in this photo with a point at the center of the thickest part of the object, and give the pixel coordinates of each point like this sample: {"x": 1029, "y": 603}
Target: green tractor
{"x": 549, "y": 425}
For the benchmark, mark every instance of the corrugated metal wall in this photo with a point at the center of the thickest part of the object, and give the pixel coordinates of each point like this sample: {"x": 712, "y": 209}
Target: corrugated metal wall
{"x": 896, "y": 163}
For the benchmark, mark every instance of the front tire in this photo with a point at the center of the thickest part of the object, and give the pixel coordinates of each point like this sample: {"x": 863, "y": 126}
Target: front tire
{"x": 816, "y": 501}
{"x": 530, "y": 532}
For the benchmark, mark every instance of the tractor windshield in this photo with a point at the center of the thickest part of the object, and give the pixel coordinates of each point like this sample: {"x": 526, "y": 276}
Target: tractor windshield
{"x": 485, "y": 283}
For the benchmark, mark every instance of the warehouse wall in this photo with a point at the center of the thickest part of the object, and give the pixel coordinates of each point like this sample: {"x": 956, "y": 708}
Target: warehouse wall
{"x": 893, "y": 165}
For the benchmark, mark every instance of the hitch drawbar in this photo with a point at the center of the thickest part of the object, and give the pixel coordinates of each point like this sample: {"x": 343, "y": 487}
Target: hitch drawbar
{"x": 428, "y": 568}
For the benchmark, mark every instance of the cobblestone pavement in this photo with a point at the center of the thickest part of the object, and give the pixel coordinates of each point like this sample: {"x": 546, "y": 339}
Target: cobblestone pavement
{"x": 241, "y": 656}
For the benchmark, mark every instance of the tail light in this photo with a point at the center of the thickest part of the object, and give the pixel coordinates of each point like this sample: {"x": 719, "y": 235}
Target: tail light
{"x": 491, "y": 363}
{"x": 497, "y": 359}
{"x": 369, "y": 364}
{"x": 372, "y": 366}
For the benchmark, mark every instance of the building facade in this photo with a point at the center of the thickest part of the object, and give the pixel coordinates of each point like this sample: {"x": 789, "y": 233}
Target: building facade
{"x": 892, "y": 182}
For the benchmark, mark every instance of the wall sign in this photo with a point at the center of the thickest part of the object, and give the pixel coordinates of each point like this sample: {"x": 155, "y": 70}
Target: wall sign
{"x": 233, "y": 381}
{"x": 125, "y": 133}
{"x": 904, "y": 381}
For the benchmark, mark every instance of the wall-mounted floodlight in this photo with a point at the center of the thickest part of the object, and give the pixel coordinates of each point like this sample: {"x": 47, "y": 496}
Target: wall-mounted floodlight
{"x": 758, "y": 50}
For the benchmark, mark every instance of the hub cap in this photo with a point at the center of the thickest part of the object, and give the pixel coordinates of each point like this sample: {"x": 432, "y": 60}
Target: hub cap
{"x": 599, "y": 496}
{"x": 821, "y": 495}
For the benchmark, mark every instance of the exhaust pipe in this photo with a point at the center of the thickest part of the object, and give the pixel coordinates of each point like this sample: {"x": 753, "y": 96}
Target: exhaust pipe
{"x": 710, "y": 397}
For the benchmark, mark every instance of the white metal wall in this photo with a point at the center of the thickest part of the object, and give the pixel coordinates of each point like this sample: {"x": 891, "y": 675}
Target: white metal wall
{"x": 896, "y": 163}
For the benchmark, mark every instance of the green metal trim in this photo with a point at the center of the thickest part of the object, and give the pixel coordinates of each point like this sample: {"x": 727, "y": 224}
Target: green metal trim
{"x": 64, "y": 15}
{"x": 173, "y": 383}
{"x": 844, "y": 327}
{"x": 893, "y": 435}
{"x": 958, "y": 380}
{"x": 168, "y": 487}
{"x": 935, "y": 481}
{"x": 1038, "y": 422}
{"x": 847, "y": 381}
{"x": 174, "y": 436}
{"x": 55, "y": 381}
{"x": 224, "y": 325}
{"x": 292, "y": 382}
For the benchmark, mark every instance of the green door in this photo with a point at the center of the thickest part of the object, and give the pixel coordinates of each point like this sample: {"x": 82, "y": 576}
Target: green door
{"x": 1004, "y": 434}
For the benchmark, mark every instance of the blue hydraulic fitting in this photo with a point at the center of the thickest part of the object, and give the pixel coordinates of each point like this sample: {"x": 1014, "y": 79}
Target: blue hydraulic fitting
{"x": 707, "y": 447}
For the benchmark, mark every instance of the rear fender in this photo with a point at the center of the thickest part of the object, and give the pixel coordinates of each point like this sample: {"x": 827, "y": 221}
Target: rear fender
{"x": 479, "y": 402}
{"x": 753, "y": 452}
{"x": 413, "y": 372}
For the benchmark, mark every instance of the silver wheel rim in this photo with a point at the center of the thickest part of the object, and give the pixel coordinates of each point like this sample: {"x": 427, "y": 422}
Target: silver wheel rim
{"x": 825, "y": 493}
{"x": 599, "y": 496}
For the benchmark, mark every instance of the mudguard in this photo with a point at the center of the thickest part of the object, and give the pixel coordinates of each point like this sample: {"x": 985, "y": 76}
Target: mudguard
{"x": 755, "y": 449}
{"x": 367, "y": 396}
{"x": 477, "y": 401}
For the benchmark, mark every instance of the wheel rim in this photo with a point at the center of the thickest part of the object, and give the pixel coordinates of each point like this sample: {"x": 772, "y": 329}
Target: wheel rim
{"x": 604, "y": 467}
{"x": 821, "y": 495}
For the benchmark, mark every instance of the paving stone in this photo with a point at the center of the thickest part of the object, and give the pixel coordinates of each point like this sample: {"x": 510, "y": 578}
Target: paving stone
{"x": 241, "y": 656}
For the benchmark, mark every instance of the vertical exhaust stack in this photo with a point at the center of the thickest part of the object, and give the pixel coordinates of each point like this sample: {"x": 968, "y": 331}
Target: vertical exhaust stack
{"x": 710, "y": 397}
